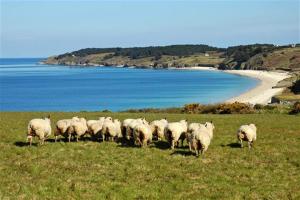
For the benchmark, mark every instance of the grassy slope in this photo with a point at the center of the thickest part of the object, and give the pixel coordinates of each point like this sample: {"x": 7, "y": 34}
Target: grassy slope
{"x": 106, "y": 170}
{"x": 101, "y": 58}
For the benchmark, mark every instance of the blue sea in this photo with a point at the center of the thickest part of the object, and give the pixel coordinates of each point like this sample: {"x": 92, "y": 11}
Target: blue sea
{"x": 26, "y": 85}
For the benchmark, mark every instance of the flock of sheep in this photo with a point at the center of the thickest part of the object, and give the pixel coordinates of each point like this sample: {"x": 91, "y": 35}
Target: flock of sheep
{"x": 137, "y": 131}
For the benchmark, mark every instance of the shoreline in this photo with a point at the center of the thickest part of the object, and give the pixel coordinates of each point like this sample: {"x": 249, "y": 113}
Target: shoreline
{"x": 262, "y": 93}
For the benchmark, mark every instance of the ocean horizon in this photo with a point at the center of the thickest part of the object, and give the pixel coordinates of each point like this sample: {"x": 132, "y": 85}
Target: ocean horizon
{"x": 26, "y": 85}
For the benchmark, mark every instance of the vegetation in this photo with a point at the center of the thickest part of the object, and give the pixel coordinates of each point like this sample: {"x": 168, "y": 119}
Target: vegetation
{"x": 255, "y": 56}
{"x": 141, "y": 52}
{"x": 93, "y": 170}
{"x": 296, "y": 108}
{"x": 223, "y": 108}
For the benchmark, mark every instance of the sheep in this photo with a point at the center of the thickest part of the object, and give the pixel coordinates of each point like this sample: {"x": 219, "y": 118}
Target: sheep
{"x": 89, "y": 123}
{"x": 190, "y": 133}
{"x": 40, "y": 128}
{"x": 247, "y": 133}
{"x": 62, "y": 127}
{"x": 111, "y": 129}
{"x": 125, "y": 124}
{"x": 175, "y": 131}
{"x": 77, "y": 128}
{"x": 142, "y": 134}
{"x": 131, "y": 125}
{"x": 96, "y": 127}
{"x": 158, "y": 128}
{"x": 201, "y": 138}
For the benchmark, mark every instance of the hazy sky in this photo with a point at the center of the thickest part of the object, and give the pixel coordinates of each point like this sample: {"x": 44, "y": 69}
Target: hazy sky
{"x": 43, "y": 28}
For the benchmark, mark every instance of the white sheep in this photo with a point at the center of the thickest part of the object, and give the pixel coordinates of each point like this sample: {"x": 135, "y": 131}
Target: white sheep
{"x": 125, "y": 124}
{"x": 96, "y": 127}
{"x": 247, "y": 133}
{"x": 62, "y": 127}
{"x": 201, "y": 138}
{"x": 190, "y": 133}
{"x": 89, "y": 124}
{"x": 142, "y": 134}
{"x": 40, "y": 128}
{"x": 176, "y": 131}
{"x": 111, "y": 129}
{"x": 158, "y": 128}
{"x": 77, "y": 128}
{"x": 131, "y": 125}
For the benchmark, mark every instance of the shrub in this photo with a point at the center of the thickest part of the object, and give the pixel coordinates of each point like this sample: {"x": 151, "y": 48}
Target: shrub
{"x": 225, "y": 108}
{"x": 192, "y": 108}
{"x": 235, "y": 108}
{"x": 270, "y": 107}
{"x": 296, "y": 108}
{"x": 258, "y": 106}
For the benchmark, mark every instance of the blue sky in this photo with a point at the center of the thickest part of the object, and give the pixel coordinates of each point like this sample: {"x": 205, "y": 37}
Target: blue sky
{"x": 44, "y": 28}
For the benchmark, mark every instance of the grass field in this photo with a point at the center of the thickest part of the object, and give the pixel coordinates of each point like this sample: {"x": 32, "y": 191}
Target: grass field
{"x": 93, "y": 170}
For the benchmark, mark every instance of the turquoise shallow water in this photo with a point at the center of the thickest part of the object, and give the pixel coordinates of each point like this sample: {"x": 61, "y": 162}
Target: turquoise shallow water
{"x": 28, "y": 86}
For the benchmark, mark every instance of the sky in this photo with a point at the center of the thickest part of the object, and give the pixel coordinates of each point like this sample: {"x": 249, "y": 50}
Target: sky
{"x": 44, "y": 28}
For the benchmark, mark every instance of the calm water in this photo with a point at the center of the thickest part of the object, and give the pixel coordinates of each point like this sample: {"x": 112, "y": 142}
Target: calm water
{"x": 28, "y": 86}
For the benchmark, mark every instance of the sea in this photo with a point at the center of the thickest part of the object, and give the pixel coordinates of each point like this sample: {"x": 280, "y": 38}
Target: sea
{"x": 26, "y": 85}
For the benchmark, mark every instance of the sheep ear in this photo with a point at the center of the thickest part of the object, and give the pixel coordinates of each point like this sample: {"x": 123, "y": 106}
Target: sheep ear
{"x": 211, "y": 122}
{"x": 48, "y": 116}
{"x": 165, "y": 118}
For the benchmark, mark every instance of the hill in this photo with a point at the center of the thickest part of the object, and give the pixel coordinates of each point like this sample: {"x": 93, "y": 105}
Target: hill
{"x": 256, "y": 56}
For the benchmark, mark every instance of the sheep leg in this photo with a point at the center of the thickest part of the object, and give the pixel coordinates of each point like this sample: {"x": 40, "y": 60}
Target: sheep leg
{"x": 249, "y": 144}
{"x": 77, "y": 138}
{"x": 190, "y": 146}
{"x": 30, "y": 141}
{"x": 172, "y": 144}
{"x": 69, "y": 137}
{"x": 241, "y": 142}
{"x": 197, "y": 152}
{"x": 56, "y": 138}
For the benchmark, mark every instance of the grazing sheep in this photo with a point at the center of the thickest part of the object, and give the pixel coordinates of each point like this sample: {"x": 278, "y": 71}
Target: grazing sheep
{"x": 131, "y": 125}
{"x": 89, "y": 123}
{"x": 247, "y": 133}
{"x": 62, "y": 127}
{"x": 190, "y": 133}
{"x": 77, "y": 128}
{"x": 202, "y": 137}
{"x": 158, "y": 128}
{"x": 111, "y": 129}
{"x": 142, "y": 134}
{"x": 96, "y": 127}
{"x": 176, "y": 131}
{"x": 40, "y": 128}
{"x": 125, "y": 124}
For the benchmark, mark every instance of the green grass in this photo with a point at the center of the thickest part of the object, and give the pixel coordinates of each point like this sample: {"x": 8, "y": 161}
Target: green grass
{"x": 92, "y": 170}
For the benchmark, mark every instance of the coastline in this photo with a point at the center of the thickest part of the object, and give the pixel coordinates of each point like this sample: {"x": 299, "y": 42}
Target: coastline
{"x": 262, "y": 93}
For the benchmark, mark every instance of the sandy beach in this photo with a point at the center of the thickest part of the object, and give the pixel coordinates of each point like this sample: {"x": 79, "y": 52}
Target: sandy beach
{"x": 263, "y": 92}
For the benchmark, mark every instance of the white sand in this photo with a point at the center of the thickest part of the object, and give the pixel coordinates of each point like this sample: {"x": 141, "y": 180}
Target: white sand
{"x": 263, "y": 92}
